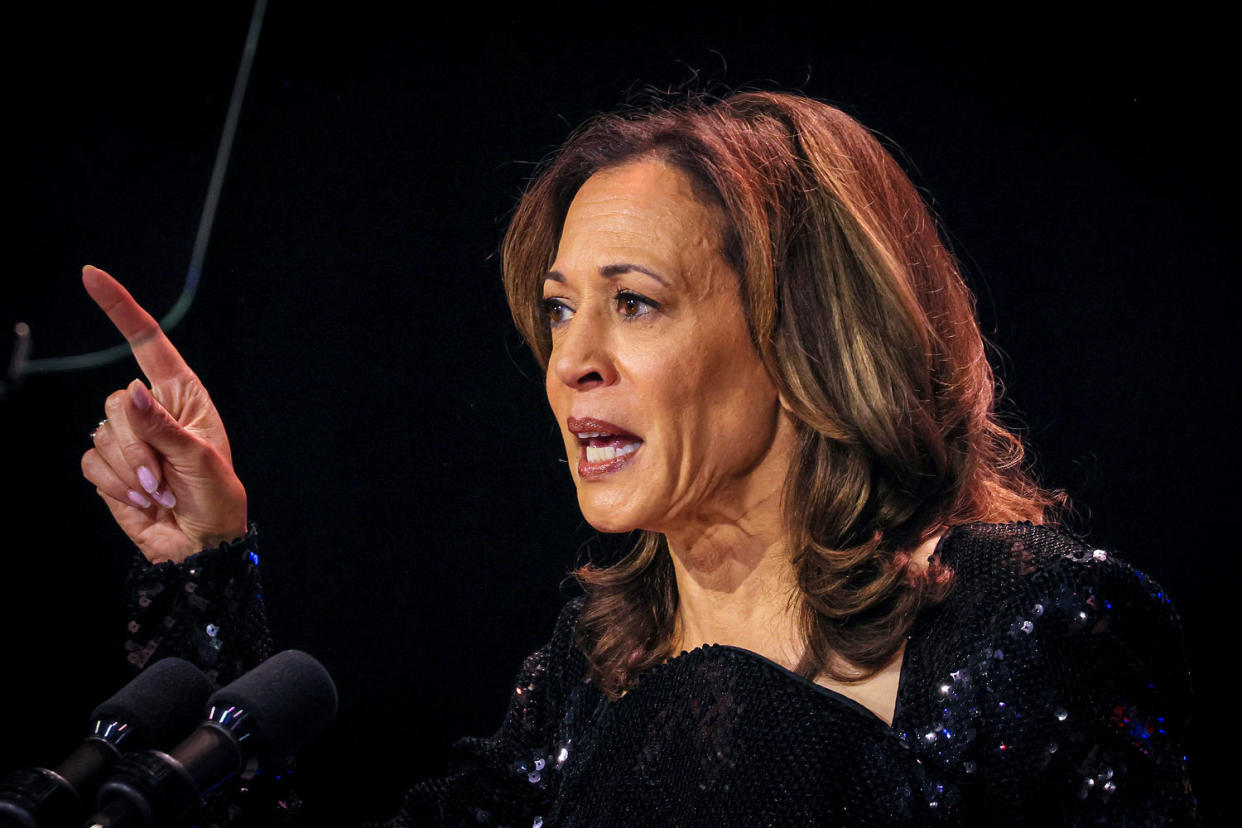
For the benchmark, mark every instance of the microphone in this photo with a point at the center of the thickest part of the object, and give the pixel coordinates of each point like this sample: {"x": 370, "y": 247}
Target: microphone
{"x": 263, "y": 717}
{"x": 153, "y": 710}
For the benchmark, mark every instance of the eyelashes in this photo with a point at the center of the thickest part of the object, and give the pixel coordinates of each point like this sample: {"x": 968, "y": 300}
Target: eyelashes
{"x": 556, "y": 312}
{"x": 632, "y": 305}
{"x": 629, "y": 306}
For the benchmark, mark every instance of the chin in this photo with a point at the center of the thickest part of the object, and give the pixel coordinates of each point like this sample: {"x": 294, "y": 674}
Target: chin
{"x": 607, "y": 517}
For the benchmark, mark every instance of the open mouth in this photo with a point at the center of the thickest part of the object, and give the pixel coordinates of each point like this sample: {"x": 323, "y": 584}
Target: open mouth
{"x": 603, "y": 447}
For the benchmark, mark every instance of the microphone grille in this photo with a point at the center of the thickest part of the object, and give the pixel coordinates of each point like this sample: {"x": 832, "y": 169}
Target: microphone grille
{"x": 161, "y": 705}
{"x": 290, "y": 699}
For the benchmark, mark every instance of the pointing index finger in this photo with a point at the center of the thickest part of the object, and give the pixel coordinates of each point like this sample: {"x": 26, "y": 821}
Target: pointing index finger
{"x": 155, "y": 353}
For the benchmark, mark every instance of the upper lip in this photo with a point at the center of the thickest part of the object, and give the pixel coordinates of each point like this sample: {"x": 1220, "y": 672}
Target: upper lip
{"x": 585, "y": 427}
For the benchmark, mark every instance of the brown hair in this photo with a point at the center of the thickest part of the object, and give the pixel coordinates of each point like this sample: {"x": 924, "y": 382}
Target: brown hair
{"x": 868, "y": 331}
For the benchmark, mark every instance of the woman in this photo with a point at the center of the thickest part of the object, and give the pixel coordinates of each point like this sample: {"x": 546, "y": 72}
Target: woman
{"x": 846, "y": 607}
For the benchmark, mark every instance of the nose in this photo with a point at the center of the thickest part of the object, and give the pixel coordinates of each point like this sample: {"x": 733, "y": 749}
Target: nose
{"x": 582, "y": 356}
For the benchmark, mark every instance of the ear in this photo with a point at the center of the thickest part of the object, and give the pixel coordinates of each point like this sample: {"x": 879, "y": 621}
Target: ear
{"x": 785, "y": 404}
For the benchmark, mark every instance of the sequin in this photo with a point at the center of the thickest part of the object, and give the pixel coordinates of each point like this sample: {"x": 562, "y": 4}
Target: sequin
{"x": 998, "y": 717}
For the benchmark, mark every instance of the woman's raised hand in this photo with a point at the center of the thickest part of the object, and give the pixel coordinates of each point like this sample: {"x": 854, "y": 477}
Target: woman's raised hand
{"x": 161, "y": 460}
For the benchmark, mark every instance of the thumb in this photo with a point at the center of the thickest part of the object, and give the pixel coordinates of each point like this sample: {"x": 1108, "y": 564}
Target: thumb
{"x": 155, "y": 425}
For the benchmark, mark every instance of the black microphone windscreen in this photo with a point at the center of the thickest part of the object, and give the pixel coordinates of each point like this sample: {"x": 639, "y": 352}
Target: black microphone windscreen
{"x": 290, "y": 699}
{"x": 162, "y": 704}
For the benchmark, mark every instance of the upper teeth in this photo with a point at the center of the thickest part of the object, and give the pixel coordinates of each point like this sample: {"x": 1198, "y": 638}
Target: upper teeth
{"x": 603, "y": 453}
{"x": 587, "y": 435}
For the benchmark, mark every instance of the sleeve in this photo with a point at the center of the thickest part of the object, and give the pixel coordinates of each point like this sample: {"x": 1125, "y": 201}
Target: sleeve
{"x": 511, "y": 777}
{"x": 209, "y": 610}
{"x": 1092, "y": 707}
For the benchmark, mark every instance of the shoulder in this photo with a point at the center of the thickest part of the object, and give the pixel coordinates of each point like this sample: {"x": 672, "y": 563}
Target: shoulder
{"x": 558, "y": 665}
{"x": 1045, "y": 591}
{"x": 563, "y": 634}
{"x": 1074, "y": 660}
{"x": 1046, "y": 570}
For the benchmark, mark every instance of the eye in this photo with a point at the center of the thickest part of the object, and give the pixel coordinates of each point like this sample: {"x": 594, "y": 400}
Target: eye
{"x": 556, "y": 311}
{"x": 632, "y": 305}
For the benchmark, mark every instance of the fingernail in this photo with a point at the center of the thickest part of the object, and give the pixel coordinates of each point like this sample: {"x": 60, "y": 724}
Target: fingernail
{"x": 165, "y": 498}
{"x": 142, "y": 397}
{"x": 138, "y": 500}
{"x": 148, "y": 480}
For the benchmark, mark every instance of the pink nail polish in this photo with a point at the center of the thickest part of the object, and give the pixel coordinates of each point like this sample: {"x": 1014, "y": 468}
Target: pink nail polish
{"x": 165, "y": 498}
{"x": 147, "y": 480}
{"x": 142, "y": 397}
{"x": 138, "y": 500}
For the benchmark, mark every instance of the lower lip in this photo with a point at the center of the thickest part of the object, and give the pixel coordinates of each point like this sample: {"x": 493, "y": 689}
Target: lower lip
{"x": 594, "y": 471}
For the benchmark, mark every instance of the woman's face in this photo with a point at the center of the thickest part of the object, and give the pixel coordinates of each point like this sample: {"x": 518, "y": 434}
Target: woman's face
{"x": 670, "y": 420}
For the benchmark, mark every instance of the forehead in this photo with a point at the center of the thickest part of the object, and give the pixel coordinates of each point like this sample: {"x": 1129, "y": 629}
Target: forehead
{"x": 645, "y": 208}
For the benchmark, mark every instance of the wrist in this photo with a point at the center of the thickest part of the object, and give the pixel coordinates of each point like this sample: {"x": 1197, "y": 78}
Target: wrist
{"x": 225, "y": 538}
{"x": 232, "y": 528}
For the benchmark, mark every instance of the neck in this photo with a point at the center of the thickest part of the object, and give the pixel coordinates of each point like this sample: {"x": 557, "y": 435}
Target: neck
{"x": 736, "y": 586}
{"x": 735, "y": 583}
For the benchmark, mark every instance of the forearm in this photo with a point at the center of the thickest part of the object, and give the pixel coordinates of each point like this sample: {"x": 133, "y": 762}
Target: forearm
{"x": 207, "y": 610}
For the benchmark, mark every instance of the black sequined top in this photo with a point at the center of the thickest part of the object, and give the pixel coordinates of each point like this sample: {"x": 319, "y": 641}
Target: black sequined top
{"x": 1049, "y": 688}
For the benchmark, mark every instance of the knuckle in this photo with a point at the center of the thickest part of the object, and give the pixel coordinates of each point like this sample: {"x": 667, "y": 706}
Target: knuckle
{"x": 134, "y": 448}
{"x": 96, "y": 471}
{"x": 115, "y": 403}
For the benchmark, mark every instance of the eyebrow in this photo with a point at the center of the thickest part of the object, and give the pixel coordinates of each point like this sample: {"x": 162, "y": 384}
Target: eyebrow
{"x": 611, "y": 271}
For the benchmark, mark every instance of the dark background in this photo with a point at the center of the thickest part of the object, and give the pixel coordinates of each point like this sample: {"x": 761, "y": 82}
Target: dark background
{"x": 390, "y": 427}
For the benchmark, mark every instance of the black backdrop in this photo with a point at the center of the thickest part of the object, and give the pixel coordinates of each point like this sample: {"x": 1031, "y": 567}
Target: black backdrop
{"x": 400, "y": 461}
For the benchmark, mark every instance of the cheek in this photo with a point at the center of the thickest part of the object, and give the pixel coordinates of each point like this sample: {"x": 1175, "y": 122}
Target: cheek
{"x": 718, "y": 400}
